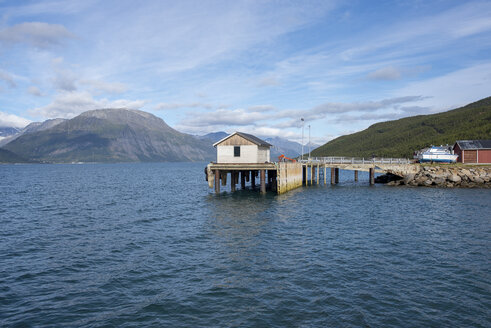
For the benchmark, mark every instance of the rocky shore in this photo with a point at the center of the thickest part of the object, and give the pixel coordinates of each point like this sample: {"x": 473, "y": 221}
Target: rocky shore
{"x": 442, "y": 176}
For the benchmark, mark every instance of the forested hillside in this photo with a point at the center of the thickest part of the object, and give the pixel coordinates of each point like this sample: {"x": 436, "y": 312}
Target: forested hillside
{"x": 400, "y": 138}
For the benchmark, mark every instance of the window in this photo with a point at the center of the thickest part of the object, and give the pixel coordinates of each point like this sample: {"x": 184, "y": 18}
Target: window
{"x": 236, "y": 151}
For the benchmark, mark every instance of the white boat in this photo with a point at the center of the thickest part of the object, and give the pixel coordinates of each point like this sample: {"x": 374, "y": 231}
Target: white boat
{"x": 436, "y": 154}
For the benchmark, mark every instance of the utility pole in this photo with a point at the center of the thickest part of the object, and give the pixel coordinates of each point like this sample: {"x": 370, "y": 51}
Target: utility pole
{"x": 309, "y": 141}
{"x": 303, "y": 124}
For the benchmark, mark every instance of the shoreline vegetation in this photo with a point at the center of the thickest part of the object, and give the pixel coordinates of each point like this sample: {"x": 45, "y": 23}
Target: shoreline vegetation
{"x": 402, "y": 137}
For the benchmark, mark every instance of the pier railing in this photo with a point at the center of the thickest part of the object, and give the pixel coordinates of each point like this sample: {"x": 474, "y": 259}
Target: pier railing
{"x": 355, "y": 160}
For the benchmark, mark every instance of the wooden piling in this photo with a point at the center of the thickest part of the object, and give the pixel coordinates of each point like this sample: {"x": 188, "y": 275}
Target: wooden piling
{"x": 217, "y": 181}
{"x": 263, "y": 181}
{"x": 333, "y": 179}
{"x": 253, "y": 179}
{"x": 304, "y": 175}
{"x": 318, "y": 182}
{"x": 223, "y": 177}
{"x": 336, "y": 172}
{"x": 372, "y": 176}
{"x": 242, "y": 180}
{"x": 325, "y": 178}
{"x": 356, "y": 175}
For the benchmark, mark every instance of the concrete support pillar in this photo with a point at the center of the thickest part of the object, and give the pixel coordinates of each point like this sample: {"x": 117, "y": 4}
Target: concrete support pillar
{"x": 356, "y": 175}
{"x": 232, "y": 180}
{"x": 372, "y": 176}
{"x": 253, "y": 179}
{"x": 333, "y": 179}
{"x": 325, "y": 175}
{"x": 318, "y": 182}
{"x": 217, "y": 181}
{"x": 242, "y": 179}
{"x": 336, "y": 172}
{"x": 311, "y": 173}
{"x": 263, "y": 181}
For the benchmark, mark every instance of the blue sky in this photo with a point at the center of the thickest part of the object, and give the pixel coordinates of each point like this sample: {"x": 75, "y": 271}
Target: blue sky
{"x": 252, "y": 66}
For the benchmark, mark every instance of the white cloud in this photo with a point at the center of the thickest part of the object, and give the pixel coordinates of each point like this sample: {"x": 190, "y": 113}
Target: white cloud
{"x": 65, "y": 80}
{"x": 221, "y": 117}
{"x": 70, "y": 104}
{"x": 268, "y": 117}
{"x": 268, "y": 81}
{"x": 426, "y": 33}
{"x": 11, "y": 120}
{"x": 323, "y": 110}
{"x": 389, "y": 73}
{"x": 267, "y": 131}
{"x": 38, "y": 34}
{"x": 261, "y": 108}
{"x": 170, "y": 106}
{"x": 7, "y": 78}
{"x": 99, "y": 86}
{"x": 33, "y": 90}
{"x": 453, "y": 89}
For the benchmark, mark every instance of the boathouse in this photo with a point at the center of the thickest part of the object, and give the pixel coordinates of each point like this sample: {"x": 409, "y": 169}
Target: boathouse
{"x": 473, "y": 151}
{"x": 241, "y": 147}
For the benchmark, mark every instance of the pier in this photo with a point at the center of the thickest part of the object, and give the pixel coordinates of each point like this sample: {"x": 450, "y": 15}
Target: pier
{"x": 280, "y": 177}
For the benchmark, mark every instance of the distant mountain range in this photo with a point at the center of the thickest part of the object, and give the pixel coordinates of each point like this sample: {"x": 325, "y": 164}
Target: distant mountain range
{"x": 400, "y": 138}
{"x": 281, "y": 146}
{"x": 8, "y": 131}
{"x": 108, "y": 135}
{"x": 33, "y": 127}
{"x": 115, "y": 135}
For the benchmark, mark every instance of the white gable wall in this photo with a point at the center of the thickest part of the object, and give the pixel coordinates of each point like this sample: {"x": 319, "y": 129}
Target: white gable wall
{"x": 263, "y": 155}
{"x": 248, "y": 154}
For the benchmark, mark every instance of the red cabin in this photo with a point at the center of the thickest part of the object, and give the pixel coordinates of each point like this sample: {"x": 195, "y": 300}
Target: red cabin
{"x": 473, "y": 151}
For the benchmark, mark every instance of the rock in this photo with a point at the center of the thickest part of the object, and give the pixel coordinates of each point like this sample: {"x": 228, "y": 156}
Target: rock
{"x": 454, "y": 178}
{"x": 439, "y": 180}
{"x": 408, "y": 177}
{"x": 478, "y": 180}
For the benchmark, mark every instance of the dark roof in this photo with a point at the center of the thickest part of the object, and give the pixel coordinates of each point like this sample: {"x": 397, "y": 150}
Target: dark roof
{"x": 474, "y": 144}
{"x": 247, "y": 136}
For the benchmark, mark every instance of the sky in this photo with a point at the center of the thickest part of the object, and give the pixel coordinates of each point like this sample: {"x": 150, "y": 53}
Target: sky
{"x": 250, "y": 66}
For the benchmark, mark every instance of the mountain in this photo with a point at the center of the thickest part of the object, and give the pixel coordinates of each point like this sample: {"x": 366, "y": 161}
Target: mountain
{"x": 400, "y": 138}
{"x": 214, "y": 136}
{"x": 33, "y": 127}
{"x": 7, "y": 131}
{"x": 111, "y": 135}
{"x": 9, "y": 157}
{"x": 281, "y": 146}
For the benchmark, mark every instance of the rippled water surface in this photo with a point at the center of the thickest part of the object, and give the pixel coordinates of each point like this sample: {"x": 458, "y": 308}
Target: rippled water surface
{"x": 145, "y": 245}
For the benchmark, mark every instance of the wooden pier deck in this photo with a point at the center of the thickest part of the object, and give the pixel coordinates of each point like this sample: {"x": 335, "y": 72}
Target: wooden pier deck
{"x": 284, "y": 176}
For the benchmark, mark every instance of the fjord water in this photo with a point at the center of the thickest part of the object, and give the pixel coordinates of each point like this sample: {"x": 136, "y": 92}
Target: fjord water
{"x": 140, "y": 245}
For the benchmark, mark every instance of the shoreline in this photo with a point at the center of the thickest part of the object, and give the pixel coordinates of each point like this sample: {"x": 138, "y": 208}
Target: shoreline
{"x": 452, "y": 176}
